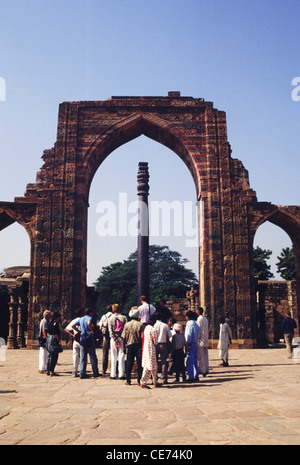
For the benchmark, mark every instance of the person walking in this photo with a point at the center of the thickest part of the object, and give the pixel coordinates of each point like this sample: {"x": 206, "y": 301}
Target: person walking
{"x": 42, "y": 342}
{"x": 149, "y": 362}
{"x": 191, "y": 337}
{"x": 132, "y": 336}
{"x": 202, "y": 321}
{"x": 75, "y": 335}
{"x": 163, "y": 342}
{"x": 225, "y": 337}
{"x": 87, "y": 343}
{"x": 103, "y": 326}
{"x": 115, "y": 326}
{"x": 288, "y": 326}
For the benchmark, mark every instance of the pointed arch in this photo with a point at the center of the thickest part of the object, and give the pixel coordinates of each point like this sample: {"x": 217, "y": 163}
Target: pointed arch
{"x": 129, "y": 128}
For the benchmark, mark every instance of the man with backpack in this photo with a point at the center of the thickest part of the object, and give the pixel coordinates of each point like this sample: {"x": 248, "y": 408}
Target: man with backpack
{"x": 115, "y": 326}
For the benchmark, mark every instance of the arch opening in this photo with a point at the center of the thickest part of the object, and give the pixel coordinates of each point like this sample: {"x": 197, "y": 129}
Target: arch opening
{"x": 275, "y": 296}
{"x": 115, "y": 186}
{"x": 14, "y": 284}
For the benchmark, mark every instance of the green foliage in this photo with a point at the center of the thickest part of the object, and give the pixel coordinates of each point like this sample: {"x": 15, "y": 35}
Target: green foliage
{"x": 169, "y": 277}
{"x": 286, "y": 264}
{"x": 261, "y": 267}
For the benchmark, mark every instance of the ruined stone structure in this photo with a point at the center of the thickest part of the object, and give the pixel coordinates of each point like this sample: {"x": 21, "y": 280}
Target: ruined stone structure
{"x": 14, "y": 308}
{"x": 54, "y": 208}
{"x": 274, "y": 299}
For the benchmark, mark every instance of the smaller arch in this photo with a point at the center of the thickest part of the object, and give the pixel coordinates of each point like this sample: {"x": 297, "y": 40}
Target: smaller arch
{"x": 22, "y": 213}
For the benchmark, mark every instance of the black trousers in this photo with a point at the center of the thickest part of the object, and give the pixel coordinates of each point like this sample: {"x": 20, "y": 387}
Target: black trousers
{"x": 52, "y": 361}
{"x": 106, "y": 346}
{"x": 179, "y": 366}
{"x": 133, "y": 351}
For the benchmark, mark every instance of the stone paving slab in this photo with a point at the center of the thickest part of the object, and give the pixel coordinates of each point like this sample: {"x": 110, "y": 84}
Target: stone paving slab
{"x": 255, "y": 401}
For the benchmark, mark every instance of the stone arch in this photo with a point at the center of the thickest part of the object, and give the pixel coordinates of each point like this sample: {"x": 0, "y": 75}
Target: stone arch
{"x": 288, "y": 219}
{"x": 16, "y": 280}
{"x": 54, "y": 208}
{"x": 285, "y": 217}
{"x": 130, "y": 128}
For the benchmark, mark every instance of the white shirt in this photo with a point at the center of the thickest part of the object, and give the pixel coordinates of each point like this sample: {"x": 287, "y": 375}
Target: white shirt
{"x": 163, "y": 332}
{"x": 203, "y": 333}
{"x": 103, "y": 318}
{"x": 145, "y": 311}
{"x": 73, "y": 322}
{"x": 224, "y": 336}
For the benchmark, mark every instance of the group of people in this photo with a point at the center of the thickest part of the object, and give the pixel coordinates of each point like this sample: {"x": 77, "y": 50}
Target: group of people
{"x": 151, "y": 337}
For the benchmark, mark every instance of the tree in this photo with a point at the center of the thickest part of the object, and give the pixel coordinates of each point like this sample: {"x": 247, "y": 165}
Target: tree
{"x": 286, "y": 264}
{"x": 261, "y": 267}
{"x": 169, "y": 277}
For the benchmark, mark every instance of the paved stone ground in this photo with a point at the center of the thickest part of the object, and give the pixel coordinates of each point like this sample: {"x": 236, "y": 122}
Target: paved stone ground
{"x": 255, "y": 401}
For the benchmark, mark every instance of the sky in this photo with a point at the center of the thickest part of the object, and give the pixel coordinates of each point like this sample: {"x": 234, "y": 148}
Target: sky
{"x": 241, "y": 55}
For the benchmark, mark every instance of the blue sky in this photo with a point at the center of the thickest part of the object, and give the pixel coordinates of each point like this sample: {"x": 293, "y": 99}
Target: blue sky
{"x": 241, "y": 55}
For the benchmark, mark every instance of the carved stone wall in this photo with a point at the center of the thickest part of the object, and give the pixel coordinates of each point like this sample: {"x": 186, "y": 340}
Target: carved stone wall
{"x": 275, "y": 298}
{"x": 54, "y": 208}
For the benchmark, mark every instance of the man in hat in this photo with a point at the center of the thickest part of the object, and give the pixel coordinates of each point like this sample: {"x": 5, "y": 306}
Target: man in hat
{"x": 132, "y": 336}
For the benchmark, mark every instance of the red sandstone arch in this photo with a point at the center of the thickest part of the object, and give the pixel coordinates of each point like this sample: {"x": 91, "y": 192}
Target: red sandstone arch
{"x": 288, "y": 219}
{"x": 130, "y": 128}
{"x": 54, "y": 208}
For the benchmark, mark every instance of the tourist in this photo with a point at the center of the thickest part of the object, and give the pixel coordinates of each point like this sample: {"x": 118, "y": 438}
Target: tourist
{"x": 42, "y": 342}
{"x": 103, "y": 326}
{"x": 75, "y": 335}
{"x": 191, "y": 336}
{"x": 288, "y": 326}
{"x": 225, "y": 337}
{"x": 149, "y": 362}
{"x": 115, "y": 326}
{"x": 162, "y": 349}
{"x": 171, "y": 323}
{"x": 132, "y": 336}
{"x": 53, "y": 344}
{"x": 178, "y": 348}
{"x": 203, "y": 362}
{"x": 145, "y": 310}
{"x": 87, "y": 343}
{"x": 163, "y": 311}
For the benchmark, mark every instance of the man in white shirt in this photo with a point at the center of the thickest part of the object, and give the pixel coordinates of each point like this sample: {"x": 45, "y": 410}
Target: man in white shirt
{"x": 162, "y": 349}
{"x": 202, "y": 342}
{"x": 145, "y": 310}
{"x": 76, "y": 346}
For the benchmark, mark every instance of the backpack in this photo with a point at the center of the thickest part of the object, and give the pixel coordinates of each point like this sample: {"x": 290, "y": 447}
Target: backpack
{"x": 119, "y": 326}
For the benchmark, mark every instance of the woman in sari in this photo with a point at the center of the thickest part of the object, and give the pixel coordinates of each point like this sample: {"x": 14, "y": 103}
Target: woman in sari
{"x": 149, "y": 362}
